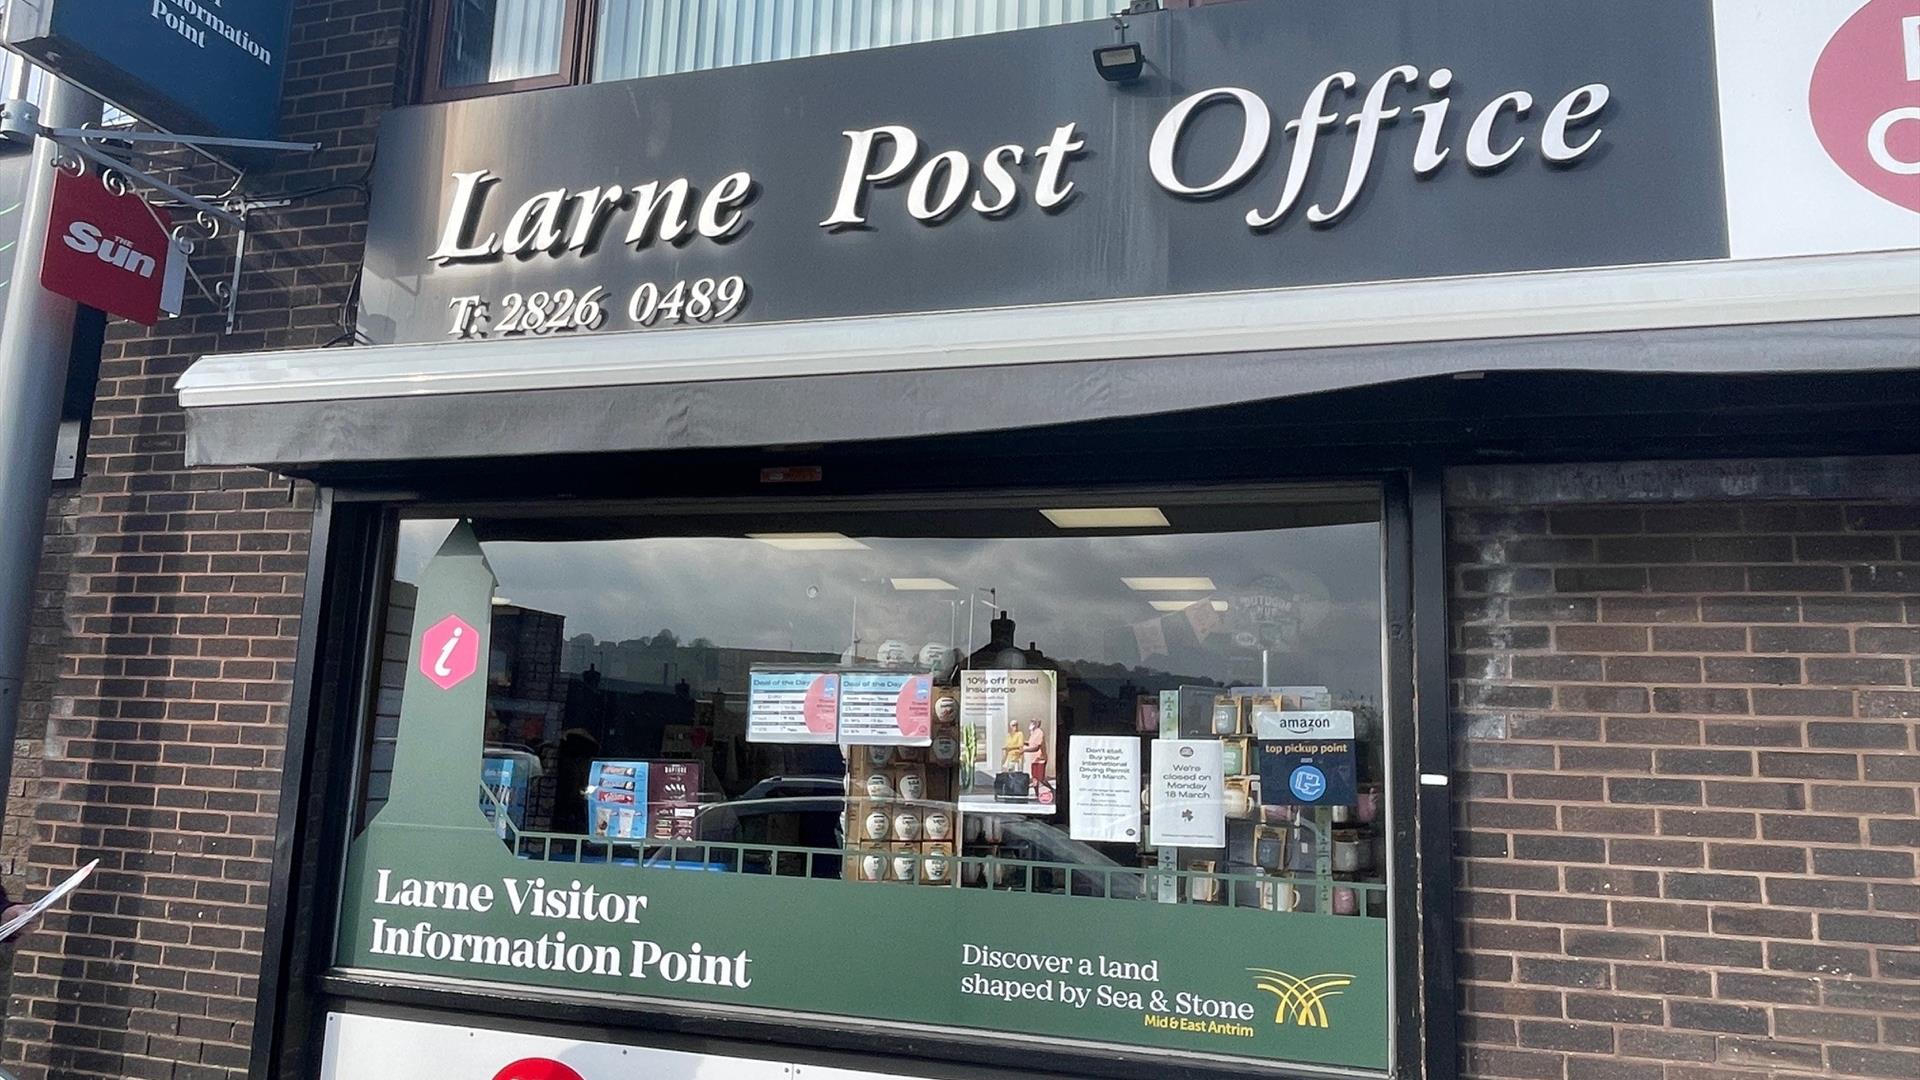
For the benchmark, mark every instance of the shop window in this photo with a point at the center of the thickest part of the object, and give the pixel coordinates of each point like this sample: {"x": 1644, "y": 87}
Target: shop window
{"x": 1107, "y": 774}
{"x": 495, "y": 46}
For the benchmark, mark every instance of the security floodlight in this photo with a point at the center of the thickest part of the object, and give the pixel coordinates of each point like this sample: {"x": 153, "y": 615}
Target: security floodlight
{"x": 1119, "y": 63}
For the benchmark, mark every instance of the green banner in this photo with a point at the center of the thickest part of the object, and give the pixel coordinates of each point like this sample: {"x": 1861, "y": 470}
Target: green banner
{"x": 432, "y": 890}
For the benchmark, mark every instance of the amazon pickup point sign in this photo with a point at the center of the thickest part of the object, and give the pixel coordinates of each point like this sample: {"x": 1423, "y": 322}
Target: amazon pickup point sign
{"x": 202, "y": 67}
{"x": 112, "y": 252}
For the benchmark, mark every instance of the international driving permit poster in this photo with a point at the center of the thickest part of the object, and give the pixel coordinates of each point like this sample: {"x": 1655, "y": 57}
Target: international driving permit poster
{"x": 1103, "y": 801}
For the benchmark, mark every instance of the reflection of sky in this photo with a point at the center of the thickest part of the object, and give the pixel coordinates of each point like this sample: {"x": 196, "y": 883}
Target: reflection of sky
{"x": 1064, "y": 593}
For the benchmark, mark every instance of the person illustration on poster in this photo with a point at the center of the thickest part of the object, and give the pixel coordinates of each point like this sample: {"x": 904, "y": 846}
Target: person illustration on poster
{"x": 1013, "y": 751}
{"x": 1035, "y": 755}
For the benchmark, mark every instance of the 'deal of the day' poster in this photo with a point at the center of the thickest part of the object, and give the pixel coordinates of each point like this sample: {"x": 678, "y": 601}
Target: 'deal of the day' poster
{"x": 886, "y": 709}
{"x": 1007, "y": 724}
{"x": 793, "y": 706}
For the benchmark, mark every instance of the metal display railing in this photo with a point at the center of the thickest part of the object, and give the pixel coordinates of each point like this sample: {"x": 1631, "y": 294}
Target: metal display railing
{"x": 1279, "y": 892}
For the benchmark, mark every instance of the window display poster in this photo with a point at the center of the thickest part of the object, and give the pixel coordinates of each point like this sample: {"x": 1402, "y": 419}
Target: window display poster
{"x": 1007, "y": 724}
{"x": 505, "y": 780}
{"x": 1103, "y": 794}
{"x": 617, "y": 799}
{"x": 1308, "y": 772}
{"x": 673, "y": 799}
{"x": 886, "y": 709}
{"x": 1187, "y": 802}
{"x": 793, "y": 706}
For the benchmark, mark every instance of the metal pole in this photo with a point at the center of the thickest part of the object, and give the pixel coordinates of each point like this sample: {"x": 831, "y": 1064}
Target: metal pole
{"x": 19, "y": 77}
{"x": 37, "y": 335}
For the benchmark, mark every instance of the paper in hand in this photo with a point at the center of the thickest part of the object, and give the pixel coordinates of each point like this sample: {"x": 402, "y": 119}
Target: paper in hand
{"x": 39, "y": 907}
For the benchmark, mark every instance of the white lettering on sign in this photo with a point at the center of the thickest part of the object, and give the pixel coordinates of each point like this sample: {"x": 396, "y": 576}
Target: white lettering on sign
{"x": 1877, "y": 141}
{"x": 1495, "y": 123}
{"x": 935, "y": 186}
{"x": 1910, "y": 45}
{"x": 540, "y": 225}
{"x": 193, "y": 20}
{"x": 1877, "y": 133}
{"x": 577, "y": 905}
{"x": 85, "y": 238}
{"x": 939, "y": 185}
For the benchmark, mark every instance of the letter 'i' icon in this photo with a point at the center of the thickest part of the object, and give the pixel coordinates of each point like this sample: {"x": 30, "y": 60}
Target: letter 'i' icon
{"x": 449, "y": 652}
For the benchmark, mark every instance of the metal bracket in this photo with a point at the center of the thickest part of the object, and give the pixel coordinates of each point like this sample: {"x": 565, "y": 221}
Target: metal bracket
{"x": 210, "y": 215}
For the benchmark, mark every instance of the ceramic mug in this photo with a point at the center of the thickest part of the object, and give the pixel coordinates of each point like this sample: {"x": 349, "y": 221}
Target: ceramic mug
{"x": 877, "y": 825}
{"x": 906, "y": 866}
{"x": 913, "y": 786}
{"x": 939, "y": 825}
{"x": 1349, "y": 851}
{"x": 878, "y": 756}
{"x": 906, "y": 825}
{"x": 1238, "y": 804}
{"x": 945, "y": 749}
{"x": 879, "y": 787}
{"x": 936, "y": 867}
{"x": 872, "y": 866}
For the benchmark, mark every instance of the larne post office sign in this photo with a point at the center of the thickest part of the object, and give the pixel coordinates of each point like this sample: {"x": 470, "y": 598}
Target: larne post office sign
{"x": 199, "y": 67}
{"x": 1390, "y": 142}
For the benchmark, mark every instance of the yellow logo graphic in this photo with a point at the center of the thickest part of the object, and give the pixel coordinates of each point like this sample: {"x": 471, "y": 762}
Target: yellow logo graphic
{"x": 1305, "y": 1000}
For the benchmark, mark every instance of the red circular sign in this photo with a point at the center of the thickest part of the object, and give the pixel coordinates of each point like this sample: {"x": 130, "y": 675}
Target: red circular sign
{"x": 1865, "y": 99}
{"x": 536, "y": 1069}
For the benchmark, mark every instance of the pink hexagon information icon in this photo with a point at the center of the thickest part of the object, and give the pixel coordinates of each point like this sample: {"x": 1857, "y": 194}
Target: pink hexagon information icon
{"x": 449, "y": 652}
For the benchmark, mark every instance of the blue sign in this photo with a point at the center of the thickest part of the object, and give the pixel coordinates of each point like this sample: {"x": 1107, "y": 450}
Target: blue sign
{"x": 199, "y": 67}
{"x": 617, "y": 800}
{"x": 1308, "y": 772}
{"x": 505, "y": 780}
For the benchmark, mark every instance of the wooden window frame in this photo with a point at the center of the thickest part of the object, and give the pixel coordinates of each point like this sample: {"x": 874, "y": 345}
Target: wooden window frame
{"x": 576, "y": 42}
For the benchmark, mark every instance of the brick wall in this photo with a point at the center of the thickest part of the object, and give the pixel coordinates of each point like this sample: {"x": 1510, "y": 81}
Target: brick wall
{"x": 1687, "y": 791}
{"x": 170, "y": 602}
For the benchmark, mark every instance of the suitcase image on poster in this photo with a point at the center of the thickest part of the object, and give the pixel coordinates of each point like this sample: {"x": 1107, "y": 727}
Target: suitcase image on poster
{"x": 1011, "y": 785}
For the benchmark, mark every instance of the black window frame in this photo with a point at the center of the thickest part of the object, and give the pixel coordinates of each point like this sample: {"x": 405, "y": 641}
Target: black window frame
{"x": 351, "y": 561}
{"x": 576, "y": 55}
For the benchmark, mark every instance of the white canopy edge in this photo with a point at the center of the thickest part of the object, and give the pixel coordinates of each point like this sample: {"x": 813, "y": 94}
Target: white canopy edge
{"x": 1666, "y": 296}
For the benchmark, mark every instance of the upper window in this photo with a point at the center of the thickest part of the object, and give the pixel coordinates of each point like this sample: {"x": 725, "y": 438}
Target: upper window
{"x": 1111, "y": 774}
{"x": 493, "y": 46}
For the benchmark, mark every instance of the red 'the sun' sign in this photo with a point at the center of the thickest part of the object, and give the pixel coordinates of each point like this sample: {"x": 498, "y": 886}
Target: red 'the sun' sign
{"x": 111, "y": 251}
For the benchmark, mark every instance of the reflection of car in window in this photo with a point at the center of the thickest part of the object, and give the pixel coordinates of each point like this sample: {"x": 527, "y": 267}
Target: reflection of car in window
{"x": 1041, "y": 842}
{"x": 780, "y": 811}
